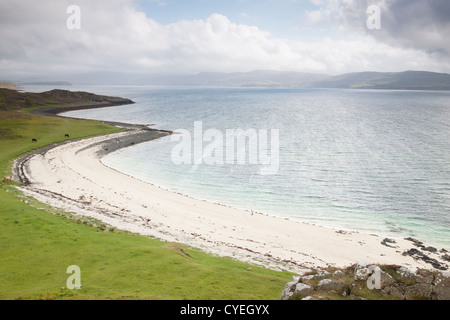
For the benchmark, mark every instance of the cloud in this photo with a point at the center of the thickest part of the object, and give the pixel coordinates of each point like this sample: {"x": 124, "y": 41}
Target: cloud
{"x": 416, "y": 24}
{"x": 118, "y": 37}
{"x": 327, "y": 13}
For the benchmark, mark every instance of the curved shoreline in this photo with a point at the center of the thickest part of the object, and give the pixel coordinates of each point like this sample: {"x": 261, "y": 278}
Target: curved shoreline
{"x": 70, "y": 176}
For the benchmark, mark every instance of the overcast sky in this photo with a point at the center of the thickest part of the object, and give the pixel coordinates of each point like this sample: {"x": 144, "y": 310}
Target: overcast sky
{"x": 191, "y": 36}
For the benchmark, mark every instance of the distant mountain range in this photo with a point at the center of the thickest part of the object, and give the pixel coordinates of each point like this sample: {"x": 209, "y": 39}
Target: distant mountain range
{"x": 408, "y": 80}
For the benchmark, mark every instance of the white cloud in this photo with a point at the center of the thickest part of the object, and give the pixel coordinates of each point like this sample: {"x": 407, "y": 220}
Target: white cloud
{"x": 328, "y": 12}
{"x": 418, "y": 24}
{"x": 118, "y": 37}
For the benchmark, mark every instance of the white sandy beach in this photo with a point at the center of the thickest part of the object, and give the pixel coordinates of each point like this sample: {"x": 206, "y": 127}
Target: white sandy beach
{"x": 72, "y": 177}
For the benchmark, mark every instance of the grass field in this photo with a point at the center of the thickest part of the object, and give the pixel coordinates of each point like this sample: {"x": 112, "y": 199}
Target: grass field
{"x": 38, "y": 243}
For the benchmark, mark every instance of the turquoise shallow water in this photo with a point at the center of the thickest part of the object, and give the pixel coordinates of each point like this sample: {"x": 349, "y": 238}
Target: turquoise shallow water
{"x": 372, "y": 161}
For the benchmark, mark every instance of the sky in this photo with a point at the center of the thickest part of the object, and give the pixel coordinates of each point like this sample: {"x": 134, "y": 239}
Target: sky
{"x": 48, "y": 39}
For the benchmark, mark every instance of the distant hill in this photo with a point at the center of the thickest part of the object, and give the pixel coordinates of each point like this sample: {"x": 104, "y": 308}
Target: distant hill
{"x": 409, "y": 80}
{"x": 11, "y": 100}
{"x": 258, "y": 79}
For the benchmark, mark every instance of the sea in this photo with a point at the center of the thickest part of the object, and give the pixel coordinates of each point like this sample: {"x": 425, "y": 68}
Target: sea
{"x": 372, "y": 161}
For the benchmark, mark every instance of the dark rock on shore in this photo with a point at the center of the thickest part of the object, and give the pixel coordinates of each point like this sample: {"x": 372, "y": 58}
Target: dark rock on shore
{"x": 134, "y": 138}
{"x": 388, "y": 242}
{"x": 418, "y": 255}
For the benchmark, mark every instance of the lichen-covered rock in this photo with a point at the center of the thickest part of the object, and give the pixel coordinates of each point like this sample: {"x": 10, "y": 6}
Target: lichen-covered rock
{"x": 418, "y": 291}
{"x": 362, "y": 274}
{"x": 386, "y": 280}
{"x": 442, "y": 279}
{"x": 308, "y": 277}
{"x": 330, "y": 285}
{"x": 395, "y": 290}
{"x": 302, "y": 290}
{"x": 338, "y": 274}
{"x": 365, "y": 280}
{"x": 425, "y": 276}
{"x": 325, "y": 284}
{"x": 322, "y": 274}
{"x": 442, "y": 286}
{"x": 406, "y": 274}
{"x": 288, "y": 290}
{"x": 296, "y": 290}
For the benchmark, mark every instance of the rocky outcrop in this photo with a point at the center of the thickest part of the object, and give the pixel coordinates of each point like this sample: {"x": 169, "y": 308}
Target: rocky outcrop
{"x": 369, "y": 282}
{"x": 296, "y": 291}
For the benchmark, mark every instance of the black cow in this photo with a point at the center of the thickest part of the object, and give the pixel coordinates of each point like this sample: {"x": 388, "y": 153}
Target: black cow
{"x": 67, "y": 135}
{"x": 34, "y": 140}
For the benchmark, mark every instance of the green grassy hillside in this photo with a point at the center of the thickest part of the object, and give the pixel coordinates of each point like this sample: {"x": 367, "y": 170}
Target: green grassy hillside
{"x": 14, "y": 100}
{"x": 38, "y": 243}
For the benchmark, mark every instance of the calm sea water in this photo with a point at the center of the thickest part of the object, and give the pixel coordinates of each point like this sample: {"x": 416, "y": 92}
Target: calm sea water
{"x": 372, "y": 161}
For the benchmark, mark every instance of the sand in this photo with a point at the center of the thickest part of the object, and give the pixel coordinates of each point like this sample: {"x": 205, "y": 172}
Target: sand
{"x": 72, "y": 177}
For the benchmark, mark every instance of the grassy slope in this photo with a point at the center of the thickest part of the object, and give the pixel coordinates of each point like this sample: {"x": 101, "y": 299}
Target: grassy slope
{"x": 38, "y": 243}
